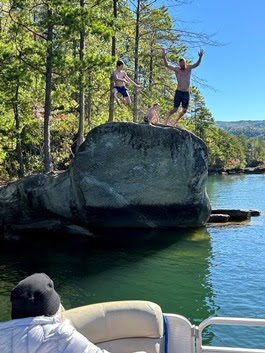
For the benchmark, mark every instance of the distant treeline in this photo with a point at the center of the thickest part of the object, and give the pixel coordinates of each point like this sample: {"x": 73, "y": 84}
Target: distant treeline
{"x": 249, "y": 128}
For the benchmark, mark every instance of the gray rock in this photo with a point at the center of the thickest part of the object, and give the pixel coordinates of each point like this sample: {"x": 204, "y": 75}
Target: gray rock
{"x": 235, "y": 215}
{"x": 222, "y": 218}
{"x": 255, "y": 213}
{"x": 124, "y": 175}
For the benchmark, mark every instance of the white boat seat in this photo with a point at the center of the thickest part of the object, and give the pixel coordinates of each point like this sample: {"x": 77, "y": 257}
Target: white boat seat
{"x": 121, "y": 327}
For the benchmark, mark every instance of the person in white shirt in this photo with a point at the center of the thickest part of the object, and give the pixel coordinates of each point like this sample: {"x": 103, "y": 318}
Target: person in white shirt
{"x": 37, "y": 325}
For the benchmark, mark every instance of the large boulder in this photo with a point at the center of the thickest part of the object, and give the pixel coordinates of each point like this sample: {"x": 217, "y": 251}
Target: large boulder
{"x": 124, "y": 175}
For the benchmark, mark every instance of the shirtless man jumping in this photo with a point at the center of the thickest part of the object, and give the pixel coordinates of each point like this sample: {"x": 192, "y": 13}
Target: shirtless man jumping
{"x": 183, "y": 75}
{"x": 120, "y": 78}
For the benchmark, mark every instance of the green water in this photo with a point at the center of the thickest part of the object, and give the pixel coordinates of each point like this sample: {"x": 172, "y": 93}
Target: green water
{"x": 196, "y": 273}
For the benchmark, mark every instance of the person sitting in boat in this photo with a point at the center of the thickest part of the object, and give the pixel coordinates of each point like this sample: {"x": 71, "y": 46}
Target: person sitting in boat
{"x": 37, "y": 325}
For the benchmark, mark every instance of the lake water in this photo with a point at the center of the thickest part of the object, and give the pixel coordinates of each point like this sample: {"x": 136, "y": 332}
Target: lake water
{"x": 213, "y": 271}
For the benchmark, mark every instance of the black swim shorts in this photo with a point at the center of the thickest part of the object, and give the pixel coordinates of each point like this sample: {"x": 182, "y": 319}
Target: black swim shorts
{"x": 181, "y": 97}
{"x": 146, "y": 119}
{"x": 122, "y": 90}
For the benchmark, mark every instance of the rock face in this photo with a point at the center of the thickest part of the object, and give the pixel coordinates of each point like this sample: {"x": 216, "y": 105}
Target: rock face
{"x": 124, "y": 175}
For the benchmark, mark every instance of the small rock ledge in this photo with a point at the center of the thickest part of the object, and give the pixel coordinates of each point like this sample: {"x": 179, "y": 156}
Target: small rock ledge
{"x": 225, "y": 215}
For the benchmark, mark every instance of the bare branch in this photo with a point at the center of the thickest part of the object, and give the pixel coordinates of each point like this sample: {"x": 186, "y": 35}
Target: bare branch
{"x": 202, "y": 83}
{"x": 36, "y": 5}
{"x": 132, "y": 3}
{"x": 197, "y": 38}
{"x": 179, "y": 3}
{"x": 23, "y": 25}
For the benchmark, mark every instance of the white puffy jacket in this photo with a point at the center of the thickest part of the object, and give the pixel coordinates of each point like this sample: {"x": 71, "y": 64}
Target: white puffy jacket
{"x": 43, "y": 334}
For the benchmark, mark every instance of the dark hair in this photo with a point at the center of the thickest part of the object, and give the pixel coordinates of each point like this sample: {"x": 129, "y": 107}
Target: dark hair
{"x": 120, "y": 62}
{"x": 155, "y": 104}
{"x": 182, "y": 59}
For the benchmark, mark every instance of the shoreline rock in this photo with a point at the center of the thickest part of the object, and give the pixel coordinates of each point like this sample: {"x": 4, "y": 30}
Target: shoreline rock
{"x": 125, "y": 175}
{"x": 232, "y": 215}
{"x": 223, "y": 171}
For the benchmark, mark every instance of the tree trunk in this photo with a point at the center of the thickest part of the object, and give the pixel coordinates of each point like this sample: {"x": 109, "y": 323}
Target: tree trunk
{"x": 136, "y": 62}
{"x": 151, "y": 68}
{"x": 89, "y": 100}
{"x": 18, "y": 146}
{"x": 80, "y": 134}
{"x": 1, "y": 10}
{"x": 113, "y": 53}
{"x": 48, "y": 89}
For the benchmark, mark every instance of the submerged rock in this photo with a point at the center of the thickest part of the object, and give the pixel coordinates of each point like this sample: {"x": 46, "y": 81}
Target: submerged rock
{"x": 124, "y": 175}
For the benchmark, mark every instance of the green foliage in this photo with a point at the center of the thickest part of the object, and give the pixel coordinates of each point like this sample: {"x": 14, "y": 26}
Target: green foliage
{"x": 23, "y": 55}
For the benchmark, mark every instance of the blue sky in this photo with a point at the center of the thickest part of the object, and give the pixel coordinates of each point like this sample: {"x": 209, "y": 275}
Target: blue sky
{"x": 236, "y": 70}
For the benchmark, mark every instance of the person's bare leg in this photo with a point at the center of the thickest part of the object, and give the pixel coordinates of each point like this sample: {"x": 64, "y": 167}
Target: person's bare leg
{"x": 154, "y": 120}
{"x": 115, "y": 92}
{"x": 127, "y": 100}
{"x": 172, "y": 111}
{"x": 181, "y": 113}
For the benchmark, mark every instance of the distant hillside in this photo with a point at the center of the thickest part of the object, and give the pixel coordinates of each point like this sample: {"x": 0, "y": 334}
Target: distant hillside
{"x": 250, "y": 128}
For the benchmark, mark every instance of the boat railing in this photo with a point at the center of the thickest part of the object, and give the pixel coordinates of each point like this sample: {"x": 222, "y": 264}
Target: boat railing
{"x": 235, "y": 321}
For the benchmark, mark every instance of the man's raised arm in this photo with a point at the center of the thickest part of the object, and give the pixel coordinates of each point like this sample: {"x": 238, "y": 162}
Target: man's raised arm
{"x": 170, "y": 67}
{"x": 201, "y": 52}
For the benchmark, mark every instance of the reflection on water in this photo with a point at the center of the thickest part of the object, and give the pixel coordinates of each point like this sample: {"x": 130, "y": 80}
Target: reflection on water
{"x": 166, "y": 267}
{"x": 237, "y": 261}
{"x": 196, "y": 272}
